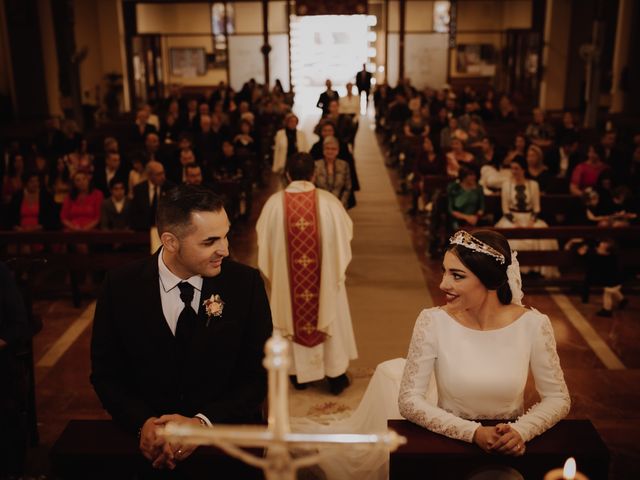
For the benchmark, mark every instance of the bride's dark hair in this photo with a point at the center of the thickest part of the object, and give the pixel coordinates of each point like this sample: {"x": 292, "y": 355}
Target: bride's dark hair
{"x": 490, "y": 271}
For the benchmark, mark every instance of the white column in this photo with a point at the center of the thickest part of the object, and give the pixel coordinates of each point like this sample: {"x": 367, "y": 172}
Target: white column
{"x": 621, "y": 53}
{"x": 555, "y": 54}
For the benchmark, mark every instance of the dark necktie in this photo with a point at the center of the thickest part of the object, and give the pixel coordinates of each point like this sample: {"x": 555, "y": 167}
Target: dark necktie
{"x": 188, "y": 317}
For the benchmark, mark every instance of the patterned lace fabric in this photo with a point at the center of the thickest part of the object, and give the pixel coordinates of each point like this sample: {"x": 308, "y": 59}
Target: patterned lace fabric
{"x": 441, "y": 346}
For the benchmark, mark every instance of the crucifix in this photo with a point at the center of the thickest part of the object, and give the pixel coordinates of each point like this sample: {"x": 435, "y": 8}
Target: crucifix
{"x": 278, "y": 463}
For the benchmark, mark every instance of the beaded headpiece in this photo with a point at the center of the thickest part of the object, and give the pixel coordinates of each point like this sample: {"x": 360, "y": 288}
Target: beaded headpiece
{"x": 467, "y": 240}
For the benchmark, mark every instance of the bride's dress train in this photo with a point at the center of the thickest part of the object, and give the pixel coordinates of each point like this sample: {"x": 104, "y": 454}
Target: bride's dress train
{"x": 379, "y": 404}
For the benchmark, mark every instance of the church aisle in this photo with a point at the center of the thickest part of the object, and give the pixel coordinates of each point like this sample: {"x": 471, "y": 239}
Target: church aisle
{"x": 384, "y": 282}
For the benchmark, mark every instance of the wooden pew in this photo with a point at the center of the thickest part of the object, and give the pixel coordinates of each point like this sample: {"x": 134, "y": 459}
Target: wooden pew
{"x": 430, "y": 455}
{"x": 58, "y": 256}
{"x": 571, "y": 265}
{"x": 100, "y": 450}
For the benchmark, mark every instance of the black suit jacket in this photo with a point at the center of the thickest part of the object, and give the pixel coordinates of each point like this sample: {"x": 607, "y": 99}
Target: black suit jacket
{"x": 136, "y": 370}
{"x": 325, "y": 98}
{"x": 142, "y": 218}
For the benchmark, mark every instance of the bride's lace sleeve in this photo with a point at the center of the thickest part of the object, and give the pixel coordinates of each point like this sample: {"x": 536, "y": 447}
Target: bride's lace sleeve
{"x": 415, "y": 380}
{"x": 549, "y": 380}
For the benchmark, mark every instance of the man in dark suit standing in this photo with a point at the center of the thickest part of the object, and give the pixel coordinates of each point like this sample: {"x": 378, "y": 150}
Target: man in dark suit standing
{"x": 326, "y": 97}
{"x": 146, "y": 196}
{"x": 179, "y": 337}
{"x": 107, "y": 171}
{"x": 363, "y": 82}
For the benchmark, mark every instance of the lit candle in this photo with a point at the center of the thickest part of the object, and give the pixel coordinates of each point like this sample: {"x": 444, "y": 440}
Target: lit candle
{"x": 569, "y": 472}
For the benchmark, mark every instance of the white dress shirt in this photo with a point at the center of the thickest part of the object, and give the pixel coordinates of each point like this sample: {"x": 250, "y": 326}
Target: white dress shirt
{"x": 172, "y": 304}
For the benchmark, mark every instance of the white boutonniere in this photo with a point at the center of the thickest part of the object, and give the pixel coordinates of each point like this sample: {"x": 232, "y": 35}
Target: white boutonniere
{"x": 213, "y": 306}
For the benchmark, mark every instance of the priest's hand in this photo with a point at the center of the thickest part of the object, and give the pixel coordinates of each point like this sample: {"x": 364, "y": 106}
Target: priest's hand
{"x": 150, "y": 443}
{"x": 510, "y": 441}
{"x": 485, "y": 438}
{"x": 178, "y": 452}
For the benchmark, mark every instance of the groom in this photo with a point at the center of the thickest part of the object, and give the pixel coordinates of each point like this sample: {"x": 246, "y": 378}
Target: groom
{"x": 179, "y": 336}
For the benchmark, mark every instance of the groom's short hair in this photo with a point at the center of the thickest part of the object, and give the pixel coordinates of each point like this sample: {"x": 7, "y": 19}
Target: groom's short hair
{"x": 177, "y": 205}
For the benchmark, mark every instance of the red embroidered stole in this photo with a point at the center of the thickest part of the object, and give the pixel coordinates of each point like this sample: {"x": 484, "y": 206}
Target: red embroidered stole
{"x": 303, "y": 242}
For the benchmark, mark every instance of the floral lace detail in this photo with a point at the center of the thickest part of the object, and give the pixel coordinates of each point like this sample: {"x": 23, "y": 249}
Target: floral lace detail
{"x": 539, "y": 418}
{"x": 408, "y": 402}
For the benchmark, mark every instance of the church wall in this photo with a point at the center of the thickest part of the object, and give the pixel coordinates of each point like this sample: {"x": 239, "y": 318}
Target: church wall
{"x": 419, "y": 16}
{"x": 248, "y": 17}
{"x": 168, "y": 18}
{"x": 210, "y": 78}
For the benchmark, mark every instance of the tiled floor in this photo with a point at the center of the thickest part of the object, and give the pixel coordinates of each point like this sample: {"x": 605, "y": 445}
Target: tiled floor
{"x": 390, "y": 279}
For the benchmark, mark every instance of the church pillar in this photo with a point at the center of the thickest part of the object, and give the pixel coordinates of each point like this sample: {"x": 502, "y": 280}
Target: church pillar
{"x": 266, "y": 48}
{"x": 27, "y": 82}
{"x": 621, "y": 55}
{"x": 555, "y": 54}
{"x": 403, "y": 10}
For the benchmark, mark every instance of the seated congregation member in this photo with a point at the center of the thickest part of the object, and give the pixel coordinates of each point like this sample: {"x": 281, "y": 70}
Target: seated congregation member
{"x": 503, "y": 342}
{"x": 563, "y": 159}
{"x": 33, "y": 208}
{"x": 325, "y": 349}
{"x": 521, "y": 208}
{"x": 146, "y": 196}
{"x": 81, "y": 208}
{"x": 244, "y": 141}
{"x": 427, "y": 163}
{"x": 536, "y": 169}
{"x": 465, "y": 200}
{"x": 115, "y": 212}
{"x": 568, "y": 128}
{"x": 80, "y": 158}
{"x": 112, "y": 168}
{"x": 142, "y": 128}
{"x": 288, "y": 140}
{"x": 493, "y": 170}
{"x": 539, "y": 131}
{"x": 332, "y": 173}
{"x": 328, "y": 129}
{"x": 12, "y": 181}
{"x": 179, "y": 336}
{"x": 137, "y": 174}
{"x": 175, "y": 169}
{"x": 586, "y": 173}
{"x": 60, "y": 182}
{"x": 193, "y": 174}
{"x": 458, "y": 157}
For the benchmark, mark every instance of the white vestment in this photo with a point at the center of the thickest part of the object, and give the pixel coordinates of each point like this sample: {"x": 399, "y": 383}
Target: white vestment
{"x": 330, "y": 358}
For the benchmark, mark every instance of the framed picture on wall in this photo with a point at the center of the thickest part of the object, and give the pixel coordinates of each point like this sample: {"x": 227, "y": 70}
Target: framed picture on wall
{"x": 477, "y": 60}
{"x": 187, "y": 61}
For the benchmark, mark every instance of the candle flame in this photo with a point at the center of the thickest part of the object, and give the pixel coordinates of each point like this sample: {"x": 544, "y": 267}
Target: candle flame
{"x": 569, "y": 471}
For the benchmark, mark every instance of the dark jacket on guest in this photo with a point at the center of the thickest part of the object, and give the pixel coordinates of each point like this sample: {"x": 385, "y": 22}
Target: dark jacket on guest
{"x": 111, "y": 219}
{"x": 48, "y": 214}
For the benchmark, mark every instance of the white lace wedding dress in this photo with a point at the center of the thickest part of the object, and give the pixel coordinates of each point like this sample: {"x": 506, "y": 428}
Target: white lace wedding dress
{"x": 454, "y": 374}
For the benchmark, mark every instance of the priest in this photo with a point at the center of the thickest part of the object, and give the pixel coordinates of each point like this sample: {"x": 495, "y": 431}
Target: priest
{"x": 304, "y": 237}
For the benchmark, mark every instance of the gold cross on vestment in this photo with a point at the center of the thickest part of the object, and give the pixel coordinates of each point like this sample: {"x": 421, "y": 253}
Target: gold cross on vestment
{"x": 304, "y": 261}
{"x": 306, "y": 295}
{"x": 309, "y": 328}
{"x": 277, "y": 438}
{"x": 302, "y": 224}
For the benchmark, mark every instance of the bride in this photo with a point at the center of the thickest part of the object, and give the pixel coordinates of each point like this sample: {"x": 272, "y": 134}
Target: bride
{"x": 468, "y": 360}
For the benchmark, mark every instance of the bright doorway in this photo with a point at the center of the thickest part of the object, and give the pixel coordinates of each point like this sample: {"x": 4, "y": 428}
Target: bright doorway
{"x": 327, "y": 47}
